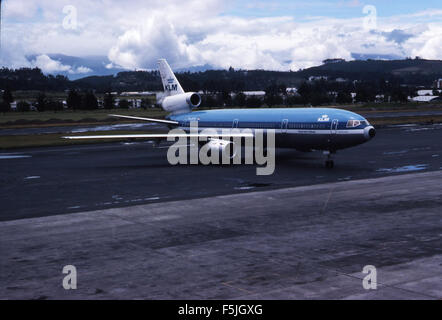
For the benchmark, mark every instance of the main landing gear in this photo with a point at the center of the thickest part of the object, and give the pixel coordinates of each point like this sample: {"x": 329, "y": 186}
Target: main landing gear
{"x": 329, "y": 163}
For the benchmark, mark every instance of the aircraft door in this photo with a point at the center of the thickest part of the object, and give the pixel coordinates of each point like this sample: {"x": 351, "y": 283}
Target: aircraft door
{"x": 334, "y": 126}
{"x": 284, "y": 125}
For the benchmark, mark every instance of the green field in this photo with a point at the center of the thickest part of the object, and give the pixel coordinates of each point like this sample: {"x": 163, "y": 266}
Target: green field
{"x": 60, "y": 95}
{"x": 46, "y": 140}
{"x": 66, "y": 117}
{"x": 32, "y": 95}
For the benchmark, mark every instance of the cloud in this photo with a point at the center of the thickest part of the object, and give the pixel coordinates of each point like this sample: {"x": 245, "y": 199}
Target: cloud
{"x": 48, "y": 65}
{"x": 397, "y": 35}
{"x": 141, "y": 47}
{"x": 20, "y": 9}
{"x": 428, "y": 45}
{"x": 134, "y": 34}
{"x": 276, "y": 43}
{"x": 82, "y": 70}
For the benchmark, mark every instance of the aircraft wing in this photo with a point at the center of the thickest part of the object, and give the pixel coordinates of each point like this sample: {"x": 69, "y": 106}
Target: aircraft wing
{"x": 145, "y": 119}
{"x": 156, "y": 136}
{"x": 161, "y": 136}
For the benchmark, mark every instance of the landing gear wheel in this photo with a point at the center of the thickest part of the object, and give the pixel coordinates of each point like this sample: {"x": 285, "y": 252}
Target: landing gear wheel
{"x": 329, "y": 164}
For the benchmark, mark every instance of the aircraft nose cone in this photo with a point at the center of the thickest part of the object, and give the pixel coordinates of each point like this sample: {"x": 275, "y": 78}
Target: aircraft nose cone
{"x": 369, "y": 133}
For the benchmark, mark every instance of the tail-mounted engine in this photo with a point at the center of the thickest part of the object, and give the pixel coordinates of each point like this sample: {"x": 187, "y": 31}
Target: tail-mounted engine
{"x": 181, "y": 103}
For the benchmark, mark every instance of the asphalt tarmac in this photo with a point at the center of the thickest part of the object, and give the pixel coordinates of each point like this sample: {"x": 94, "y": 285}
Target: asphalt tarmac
{"x": 61, "y": 180}
{"x": 311, "y": 242}
{"x": 135, "y": 227}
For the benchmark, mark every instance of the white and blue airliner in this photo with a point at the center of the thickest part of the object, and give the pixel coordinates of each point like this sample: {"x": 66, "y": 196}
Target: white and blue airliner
{"x": 303, "y": 129}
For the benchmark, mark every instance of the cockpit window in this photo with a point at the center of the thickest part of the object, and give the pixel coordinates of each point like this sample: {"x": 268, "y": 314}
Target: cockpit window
{"x": 353, "y": 123}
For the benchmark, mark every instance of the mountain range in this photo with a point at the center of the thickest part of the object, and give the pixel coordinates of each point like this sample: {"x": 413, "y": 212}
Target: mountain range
{"x": 102, "y": 66}
{"x": 98, "y": 65}
{"x": 97, "y": 75}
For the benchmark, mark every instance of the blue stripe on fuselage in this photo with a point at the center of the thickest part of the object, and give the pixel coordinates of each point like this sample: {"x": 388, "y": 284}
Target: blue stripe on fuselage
{"x": 298, "y": 118}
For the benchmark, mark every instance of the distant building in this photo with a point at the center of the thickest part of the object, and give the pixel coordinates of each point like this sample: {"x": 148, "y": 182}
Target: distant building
{"x": 133, "y": 103}
{"x": 353, "y": 97}
{"x": 317, "y": 78}
{"x": 380, "y": 98}
{"x": 293, "y": 91}
{"x": 138, "y": 93}
{"x": 254, "y": 93}
{"x": 136, "y": 103}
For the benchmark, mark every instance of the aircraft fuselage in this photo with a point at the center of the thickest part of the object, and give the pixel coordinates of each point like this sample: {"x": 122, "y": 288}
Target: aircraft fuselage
{"x": 303, "y": 129}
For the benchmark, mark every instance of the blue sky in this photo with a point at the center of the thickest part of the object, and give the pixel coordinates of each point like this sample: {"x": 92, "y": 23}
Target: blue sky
{"x": 274, "y": 35}
{"x": 331, "y": 9}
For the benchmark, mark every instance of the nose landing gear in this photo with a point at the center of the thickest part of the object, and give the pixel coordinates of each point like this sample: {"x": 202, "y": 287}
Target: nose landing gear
{"x": 329, "y": 163}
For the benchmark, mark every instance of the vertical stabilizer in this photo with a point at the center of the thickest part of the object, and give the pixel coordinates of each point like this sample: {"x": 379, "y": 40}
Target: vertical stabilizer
{"x": 170, "y": 83}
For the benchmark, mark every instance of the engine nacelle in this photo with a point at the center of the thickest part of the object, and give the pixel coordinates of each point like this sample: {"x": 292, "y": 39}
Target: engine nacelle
{"x": 220, "y": 147}
{"x": 181, "y": 103}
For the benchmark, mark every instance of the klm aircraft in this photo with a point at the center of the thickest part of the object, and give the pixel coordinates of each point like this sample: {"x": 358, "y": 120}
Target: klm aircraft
{"x": 303, "y": 129}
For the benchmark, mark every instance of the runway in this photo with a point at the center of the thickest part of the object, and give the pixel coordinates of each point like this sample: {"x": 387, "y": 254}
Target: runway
{"x": 308, "y": 242}
{"x": 60, "y": 180}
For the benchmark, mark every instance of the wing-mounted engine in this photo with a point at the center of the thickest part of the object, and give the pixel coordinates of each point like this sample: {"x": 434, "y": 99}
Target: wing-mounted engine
{"x": 220, "y": 147}
{"x": 181, "y": 103}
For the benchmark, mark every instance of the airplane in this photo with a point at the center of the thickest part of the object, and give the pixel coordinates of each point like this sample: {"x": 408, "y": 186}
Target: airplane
{"x": 303, "y": 129}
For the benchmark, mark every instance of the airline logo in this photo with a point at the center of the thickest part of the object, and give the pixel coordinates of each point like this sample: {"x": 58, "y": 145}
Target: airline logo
{"x": 171, "y": 86}
{"x": 324, "y": 118}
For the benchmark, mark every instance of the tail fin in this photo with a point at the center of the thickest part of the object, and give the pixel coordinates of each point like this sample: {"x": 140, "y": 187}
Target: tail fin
{"x": 170, "y": 82}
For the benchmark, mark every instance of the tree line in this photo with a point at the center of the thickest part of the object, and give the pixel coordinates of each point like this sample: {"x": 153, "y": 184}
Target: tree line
{"x": 316, "y": 93}
{"x": 76, "y": 100}
{"x": 313, "y": 93}
{"x": 231, "y": 80}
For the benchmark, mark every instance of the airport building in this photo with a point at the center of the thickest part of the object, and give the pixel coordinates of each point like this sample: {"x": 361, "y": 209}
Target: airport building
{"x": 317, "y": 78}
